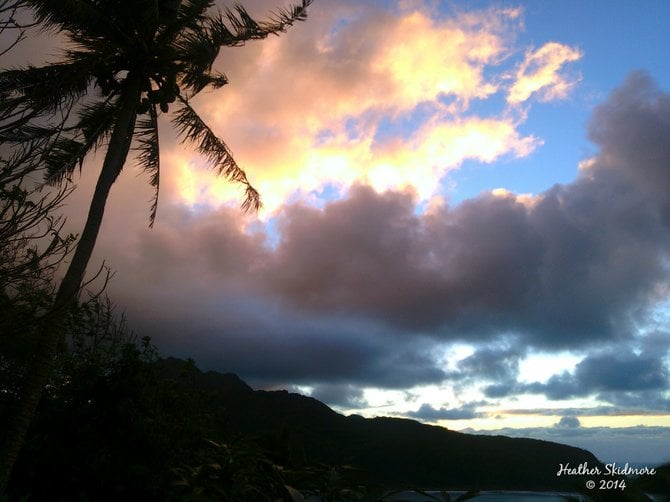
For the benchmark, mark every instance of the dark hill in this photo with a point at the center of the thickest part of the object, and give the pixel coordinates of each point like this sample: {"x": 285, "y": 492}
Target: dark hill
{"x": 395, "y": 452}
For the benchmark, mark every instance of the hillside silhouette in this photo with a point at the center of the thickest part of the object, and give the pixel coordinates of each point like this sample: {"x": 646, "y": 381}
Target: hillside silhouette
{"x": 394, "y": 452}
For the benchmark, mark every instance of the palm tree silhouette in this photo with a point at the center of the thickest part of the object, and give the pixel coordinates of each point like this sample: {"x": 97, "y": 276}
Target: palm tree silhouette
{"x": 126, "y": 62}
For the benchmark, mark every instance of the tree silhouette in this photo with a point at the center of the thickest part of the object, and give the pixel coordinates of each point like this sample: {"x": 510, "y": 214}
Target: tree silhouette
{"x": 10, "y": 23}
{"x": 126, "y": 63}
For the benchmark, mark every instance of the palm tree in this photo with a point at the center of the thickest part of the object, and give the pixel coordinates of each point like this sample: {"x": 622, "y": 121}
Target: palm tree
{"x": 126, "y": 63}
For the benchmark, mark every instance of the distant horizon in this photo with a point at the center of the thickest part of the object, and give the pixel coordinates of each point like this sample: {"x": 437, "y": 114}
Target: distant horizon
{"x": 598, "y": 440}
{"x": 602, "y": 451}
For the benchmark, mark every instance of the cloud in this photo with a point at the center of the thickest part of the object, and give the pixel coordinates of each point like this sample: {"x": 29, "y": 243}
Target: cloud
{"x": 571, "y": 269}
{"x": 643, "y": 445}
{"x": 358, "y": 274}
{"x": 540, "y": 73}
{"x": 428, "y": 413}
{"x": 604, "y": 410}
{"x": 336, "y": 293}
{"x": 341, "y": 396}
{"x": 196, "y": 287}
{"x": 568, "y": 422}
{"x": 642, "y": 401}
{"x": 624, "y": 379}
{"x": 375, "y": 257}
{"x": 321, "y": 123}
{"x": 497, "y": 363}
{"x": 616, "y": 372}
{"x": 498, "y": 390}
{"x": 360, "y": 288}
{"x": 412, "y": 55}
{"x": 563, "y": 386}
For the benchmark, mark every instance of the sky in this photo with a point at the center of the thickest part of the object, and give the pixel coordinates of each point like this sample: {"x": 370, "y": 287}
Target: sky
{"x": 466, "y": 219}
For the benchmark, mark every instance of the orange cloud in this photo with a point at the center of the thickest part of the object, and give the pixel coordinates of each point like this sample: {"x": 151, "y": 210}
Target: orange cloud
{"x": 540, "y": 73}
{"x": 424, "y": 60}
{"x": 303, "y": 110}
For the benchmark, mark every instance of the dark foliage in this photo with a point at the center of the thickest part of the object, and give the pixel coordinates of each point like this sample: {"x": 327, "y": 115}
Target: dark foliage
{"x": 123, "y": 64}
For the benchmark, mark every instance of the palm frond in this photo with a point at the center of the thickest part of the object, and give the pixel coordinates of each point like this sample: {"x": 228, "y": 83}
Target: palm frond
{"x": 199, "y": 47}
{"x": 96, "y": 121}
{"x": 195, "y": 81}
{"x": 67, "y": 151}
{"x": 55, "y": 144}
{"x": 190, "y": 17}
{"x": 28, "y": 132}
{"x": 215, "y": 80}
{"x": 64, "y": 154}
{"x": 149, "y": 156}
{"x": 115, "y": 23}
{"x": 196, "y": 51}
{"x": 73, "y": 16}
{"x": 243, "y": 26}
{"x": 149, "y": 14}
{"x": 42, "y": 90}
{"x": 235, "y": 26}
{"x": 192, "y": 11}
{"x": 193, "y": 129}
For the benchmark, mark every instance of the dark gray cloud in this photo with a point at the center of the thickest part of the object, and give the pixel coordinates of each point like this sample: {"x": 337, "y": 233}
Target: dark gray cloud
{"x": 341, "y": 396}
{"x": 611, "y": 373}
{"x": 568, "y": 422}
{"x": 360, "y": 291}
{"x": 287, "y": 352}
{"x": 498, "y": 390}
{"x": 201, "y": 307}
{"x": 491, "y": 363}
{"x": 428, "y": 413}
{"x": 621, "y": 372}
{"x": 571, "y": 411}
{"x": 623, "y": 379}
{"x": 562, "y": 386}
{"x": 573, "y": 269}
{"x": 370, "y": 255}
{"x": 645, "y": 401}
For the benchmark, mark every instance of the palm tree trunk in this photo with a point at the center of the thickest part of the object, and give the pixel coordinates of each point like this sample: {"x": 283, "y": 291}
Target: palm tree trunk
{"x": 53, "y": 324}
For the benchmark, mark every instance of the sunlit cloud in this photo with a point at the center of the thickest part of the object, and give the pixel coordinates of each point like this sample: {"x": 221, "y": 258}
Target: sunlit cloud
{"x": 424, "y": 60}
{"x": 542, "y": 366}
{"x": 527, "y": 199}
{"x": 354, "y": 69}
{"x": 540, "y": 73}
{"x": 586, "y": 163}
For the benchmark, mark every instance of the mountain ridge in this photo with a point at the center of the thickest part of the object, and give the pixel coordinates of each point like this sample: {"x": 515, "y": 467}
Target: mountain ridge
{"x": 395, "y": 452}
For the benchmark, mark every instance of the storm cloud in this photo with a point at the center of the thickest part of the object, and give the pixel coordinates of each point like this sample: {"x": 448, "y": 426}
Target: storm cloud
{"x": 428, "y": 413}
{"x": 609, "y": 375}
{"x": 572, "y": 267}
{"x": 366, "y": 283}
